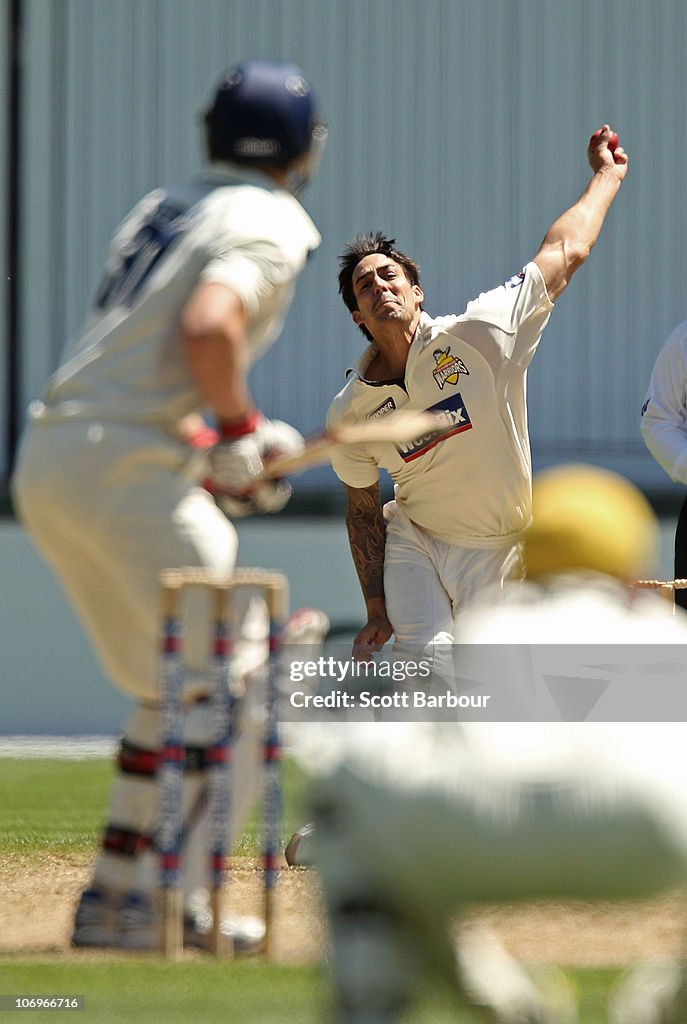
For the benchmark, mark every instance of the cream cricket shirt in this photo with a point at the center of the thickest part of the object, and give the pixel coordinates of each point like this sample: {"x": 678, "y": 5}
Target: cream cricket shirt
{"x": 471, "y": 485}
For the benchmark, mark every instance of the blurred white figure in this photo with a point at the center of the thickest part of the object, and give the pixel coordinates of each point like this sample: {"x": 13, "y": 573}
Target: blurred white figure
{"x": 416, "y": 820}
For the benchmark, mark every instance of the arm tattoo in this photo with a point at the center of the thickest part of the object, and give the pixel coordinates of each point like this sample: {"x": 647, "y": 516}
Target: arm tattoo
{"x": 367, "y": 537}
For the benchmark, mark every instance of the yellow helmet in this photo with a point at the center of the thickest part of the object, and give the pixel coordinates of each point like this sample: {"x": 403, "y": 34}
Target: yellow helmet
{"x": 589, "y": 518}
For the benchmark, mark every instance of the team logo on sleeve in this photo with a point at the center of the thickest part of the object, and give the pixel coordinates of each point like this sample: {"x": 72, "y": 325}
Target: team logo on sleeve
{"x": 448, "y": 368}
{"x": 453, "y": 413}
{"x": 384, "y": 409}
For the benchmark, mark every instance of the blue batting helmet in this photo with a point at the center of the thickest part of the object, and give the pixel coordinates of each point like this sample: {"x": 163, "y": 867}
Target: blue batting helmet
{"x": 263, "y": 112}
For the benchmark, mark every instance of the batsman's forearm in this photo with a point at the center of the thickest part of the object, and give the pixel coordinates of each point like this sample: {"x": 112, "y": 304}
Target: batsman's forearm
{"x": 213, "y": 328}
{"x": 217, "y": 365}
{"x": 367, "y": 539}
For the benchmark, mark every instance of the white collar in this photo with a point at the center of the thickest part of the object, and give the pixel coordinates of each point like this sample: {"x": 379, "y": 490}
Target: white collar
{"x": 225, "y": 172}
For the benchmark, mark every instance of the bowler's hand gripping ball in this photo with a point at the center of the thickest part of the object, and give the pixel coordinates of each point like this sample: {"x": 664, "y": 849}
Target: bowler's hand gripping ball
{"x": 612, "y": 142}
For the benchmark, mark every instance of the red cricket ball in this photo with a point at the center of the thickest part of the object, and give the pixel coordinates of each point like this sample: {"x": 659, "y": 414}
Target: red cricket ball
{"x": 612, "y": 142}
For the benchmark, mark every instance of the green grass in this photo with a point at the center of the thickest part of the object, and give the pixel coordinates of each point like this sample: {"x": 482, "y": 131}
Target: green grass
{"x": 149, "y": 991}
{"x": 58, "y": 807}
{"x": 146, "y": 990}
{"x": 52, "y": 805}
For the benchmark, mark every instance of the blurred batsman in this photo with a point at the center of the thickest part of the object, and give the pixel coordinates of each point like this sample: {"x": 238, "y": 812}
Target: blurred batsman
{"x": 414, "y": 821}
{"x": 110, "y": 480}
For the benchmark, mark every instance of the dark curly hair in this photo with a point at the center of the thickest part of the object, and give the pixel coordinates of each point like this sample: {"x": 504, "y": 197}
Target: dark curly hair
{"x": 365, "y": 245}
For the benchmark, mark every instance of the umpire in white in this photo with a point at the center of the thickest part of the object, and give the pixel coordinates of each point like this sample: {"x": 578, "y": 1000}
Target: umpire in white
{"x": 663, "y": 426}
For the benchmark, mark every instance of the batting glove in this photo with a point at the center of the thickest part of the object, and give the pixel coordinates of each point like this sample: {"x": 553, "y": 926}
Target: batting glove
{"x": 237, "y": 463}
{"x": 270, "y": 496}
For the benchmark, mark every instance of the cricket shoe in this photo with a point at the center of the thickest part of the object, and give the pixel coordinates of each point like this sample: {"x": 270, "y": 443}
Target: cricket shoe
{"x": 139, "y": 926}
{"x": 106, "y": 919}
{"x": 296, "y": 850}
{"x": 245, "y": 932}
{"x": 109, "y": 920}
{"x": 96, "y": 921}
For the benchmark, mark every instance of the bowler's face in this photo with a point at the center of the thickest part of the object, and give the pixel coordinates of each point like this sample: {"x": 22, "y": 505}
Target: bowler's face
{"x": 383, "y": 293}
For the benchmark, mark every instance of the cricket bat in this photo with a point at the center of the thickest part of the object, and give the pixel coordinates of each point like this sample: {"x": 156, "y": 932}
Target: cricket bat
{"x": 396, "y": 427}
